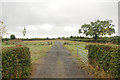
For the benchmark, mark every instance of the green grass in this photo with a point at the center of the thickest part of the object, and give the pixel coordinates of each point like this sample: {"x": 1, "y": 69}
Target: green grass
{"x": 82, "y": 52}
{"x": 72, "y": 47}
{"x": 38, "y": 49}
{"x": 7, "y": 45}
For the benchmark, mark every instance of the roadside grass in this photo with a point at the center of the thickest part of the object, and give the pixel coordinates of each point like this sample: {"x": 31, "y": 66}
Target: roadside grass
{"x": 38, "y": 51}
{"x": 95, "y": 72}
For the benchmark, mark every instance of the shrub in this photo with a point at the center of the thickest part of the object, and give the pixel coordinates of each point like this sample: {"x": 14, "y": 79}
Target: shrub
{"x": 87, "y": 40}
{"x": 107, "y": 57}
{"x": 49, "y": 43}
{"x": 66, "y": 43}
{"x": 116, "y": 40}
{"x": 16, "y": 62}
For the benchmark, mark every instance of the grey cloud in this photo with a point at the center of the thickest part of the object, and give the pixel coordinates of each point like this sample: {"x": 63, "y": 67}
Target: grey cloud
{"x": 55, "y": 13}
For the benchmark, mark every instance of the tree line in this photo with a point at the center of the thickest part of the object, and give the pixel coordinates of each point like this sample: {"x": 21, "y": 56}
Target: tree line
{"x": 95, "y": 29}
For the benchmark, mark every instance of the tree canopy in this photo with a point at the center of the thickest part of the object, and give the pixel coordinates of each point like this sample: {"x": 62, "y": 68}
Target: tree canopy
{"x": 98, "y": 28}
{"x": 12, "y": 37}
{"x": 3, "y": 30}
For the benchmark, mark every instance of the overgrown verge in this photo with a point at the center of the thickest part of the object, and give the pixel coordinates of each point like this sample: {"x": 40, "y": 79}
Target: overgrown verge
{"x": 107, "y": 58}
{"x": 16, "y": 62}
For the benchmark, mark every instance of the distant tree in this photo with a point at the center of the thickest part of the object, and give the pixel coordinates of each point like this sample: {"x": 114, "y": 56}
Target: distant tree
{"x": 59, "y": 37}
{"x": 81, "y": 37}
{"x": 98, "y": 28}
{"x": 77, "y": 37}
{"x": 47, "y": 38}
{"x": 24, "y": 31}
{"x": 53, "y": 38}
{"x": 6, "y": 39}
{"x": 12, "y": 37}
{"x": 71, "y": 36}
{"x": 63, "y": 37}
{"x": 3, "y": 29}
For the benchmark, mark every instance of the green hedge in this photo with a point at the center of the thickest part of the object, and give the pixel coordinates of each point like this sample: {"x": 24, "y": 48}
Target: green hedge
{"x": 16, "y": 62}
{"x": 107, "y": 57}
{"x": 115, "y": 40}
{"x": 83, "y": 40}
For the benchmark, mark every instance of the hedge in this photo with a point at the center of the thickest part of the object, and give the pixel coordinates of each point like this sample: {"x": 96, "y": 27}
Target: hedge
{"x": 107, "y": 57}
{"x": 16, "y": 62}
{"x": 115, "y": 40}
{"x": 83, "y": 40}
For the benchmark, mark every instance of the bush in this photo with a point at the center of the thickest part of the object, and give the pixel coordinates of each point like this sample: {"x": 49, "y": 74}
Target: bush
{"x": 116, "y": 40}
{"x": 49, "y": 43}
{"x": 16, "y": 62}
{"x": 66, "y": 43}
{"x": 107, "y": 57}
{"x": 87, "y": 40}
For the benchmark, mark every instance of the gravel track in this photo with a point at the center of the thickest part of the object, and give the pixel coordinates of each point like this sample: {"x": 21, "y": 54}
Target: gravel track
{"x": 59, "y": 63}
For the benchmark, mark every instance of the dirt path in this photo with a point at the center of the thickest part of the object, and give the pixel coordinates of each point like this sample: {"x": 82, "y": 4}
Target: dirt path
{"x": 58, "y": 63}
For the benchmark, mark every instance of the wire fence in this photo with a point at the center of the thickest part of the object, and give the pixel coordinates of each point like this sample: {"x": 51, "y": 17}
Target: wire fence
{"x": 83, "y": 54}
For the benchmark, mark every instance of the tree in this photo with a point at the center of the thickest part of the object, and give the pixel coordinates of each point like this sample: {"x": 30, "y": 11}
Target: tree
{"x": 47, "y": 38}
{"x": 63, "y": 38}
{"x": 71, "y": 37}
{"x": 3, "y": 30}
{"x": 59, "y": 37}
{"x": 24, "y": 31}
{"x": 12, "y": 37}
{"x": 98, "y": 28}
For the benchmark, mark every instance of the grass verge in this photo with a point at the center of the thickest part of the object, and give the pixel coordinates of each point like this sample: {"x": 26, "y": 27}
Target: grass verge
{"x": 38, "y": 50}
{"x": 95, "y": 72}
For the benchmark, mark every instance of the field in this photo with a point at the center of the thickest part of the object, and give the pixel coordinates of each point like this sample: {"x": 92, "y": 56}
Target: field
{"x": 38, "y": 49}
{"x": 83, "y": 56}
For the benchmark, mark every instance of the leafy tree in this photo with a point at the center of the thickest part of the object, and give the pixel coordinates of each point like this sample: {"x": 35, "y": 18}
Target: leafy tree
{"x": 98, "y": 28}
{"x": 77, "y": 37}
{"x": 59, "y": 37}
{"x": 3, "y": 30}
{"x": 12, "y": 37}
{"x": 71, "y": 37}
{"x": 47, "y": 38}
{"x": 63, "y": 37}
{"x": 81, "y": 37}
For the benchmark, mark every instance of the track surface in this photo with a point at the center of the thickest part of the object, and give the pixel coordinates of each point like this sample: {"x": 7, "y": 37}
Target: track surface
{"x": 59, "y": 63}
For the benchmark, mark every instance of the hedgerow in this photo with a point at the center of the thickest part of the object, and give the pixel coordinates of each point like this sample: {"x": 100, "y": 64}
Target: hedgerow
{"x": 115, "y": 40}
{"x": 16, "y": 62}
{"x": 107, "y": 57}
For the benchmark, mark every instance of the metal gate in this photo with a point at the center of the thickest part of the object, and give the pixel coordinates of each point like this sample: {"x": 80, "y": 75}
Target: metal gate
{"x": 83, "y": 54}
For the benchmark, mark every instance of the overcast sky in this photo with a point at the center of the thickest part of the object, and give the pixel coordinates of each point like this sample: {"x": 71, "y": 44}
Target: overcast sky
{"x": 54, "y": 18}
